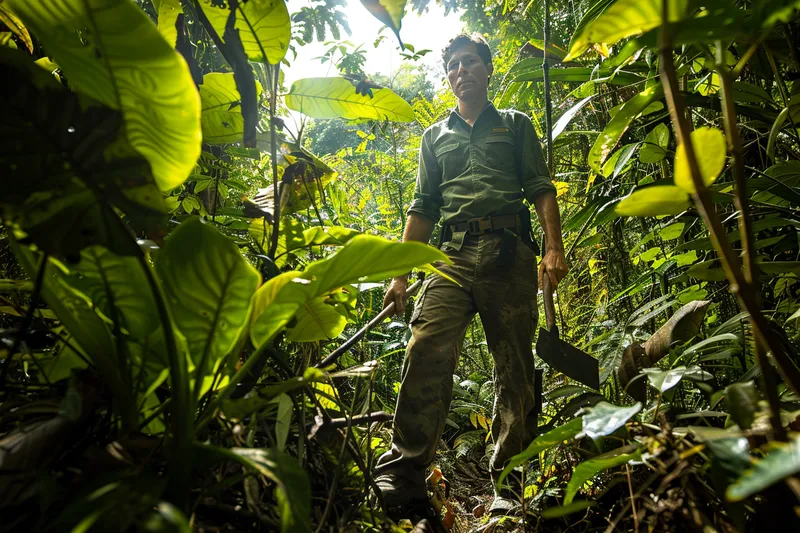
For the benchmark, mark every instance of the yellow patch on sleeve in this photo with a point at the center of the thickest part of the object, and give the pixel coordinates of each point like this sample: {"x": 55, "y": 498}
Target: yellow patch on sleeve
{"x": 499, "y": 130}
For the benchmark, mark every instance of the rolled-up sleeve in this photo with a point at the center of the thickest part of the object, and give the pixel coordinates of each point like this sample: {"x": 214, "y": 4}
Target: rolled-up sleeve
{"x": 427, "y": 196}
{"x": 534, "y": 174}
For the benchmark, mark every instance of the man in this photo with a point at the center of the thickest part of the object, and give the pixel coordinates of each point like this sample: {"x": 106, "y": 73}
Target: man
{"x": 475, "y": 169}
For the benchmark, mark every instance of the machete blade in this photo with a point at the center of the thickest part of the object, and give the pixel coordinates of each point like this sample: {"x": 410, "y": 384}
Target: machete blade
{"x": 567, "y": 359}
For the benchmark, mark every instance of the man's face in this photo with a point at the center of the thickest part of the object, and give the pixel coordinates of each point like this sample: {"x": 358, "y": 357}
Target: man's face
{"x": 467, "y": 73}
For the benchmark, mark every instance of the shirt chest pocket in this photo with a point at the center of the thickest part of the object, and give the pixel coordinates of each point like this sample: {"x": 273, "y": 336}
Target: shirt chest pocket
{"x": 452, "y": 159}
{"x": 499, "y": 151}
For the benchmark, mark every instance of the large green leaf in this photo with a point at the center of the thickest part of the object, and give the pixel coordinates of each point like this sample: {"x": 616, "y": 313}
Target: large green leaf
{"x": 543, "y": 442}
{"x": 590, "y": 468}
{"x": 621, "y": 19}
{"x": 115, "y": 285}
{"x": 209, "y": 286}
{"x": 604, "y": 418}
{"x": 292, "y": 489}
{"x": 618, "y": 125}
{"x": 315, "y": 321}
{"x": 264, "y": 26}
{"x": 782, "y": 461}
{"x": 167, "y": 12}
{"x": 337, "y": 97}
{"x": 112, "y": 52}
{"x": 57, "y": 190}
{"x": 222, "y": 116}
{"x": 365, "y": 258}
{"x": 654, "y": 201}
{"x": 655, "y": 145}
{"x": 709, "y": 149}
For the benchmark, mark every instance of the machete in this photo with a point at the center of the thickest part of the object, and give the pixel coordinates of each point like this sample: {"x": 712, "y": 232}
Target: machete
{"x": 560, "y": 355}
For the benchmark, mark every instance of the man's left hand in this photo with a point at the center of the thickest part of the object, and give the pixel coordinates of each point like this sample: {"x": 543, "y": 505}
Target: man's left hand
{"x": 554, "y": 264}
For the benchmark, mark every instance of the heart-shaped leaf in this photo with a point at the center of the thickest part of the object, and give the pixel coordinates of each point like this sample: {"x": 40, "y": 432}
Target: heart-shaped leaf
{"x": 654, "y": 201}
{"x": 709, "y": 149}
{"x": 337, "y": 97}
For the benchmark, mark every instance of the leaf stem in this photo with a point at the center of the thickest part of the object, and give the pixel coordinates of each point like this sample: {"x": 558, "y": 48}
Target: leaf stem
{"x": 181, "y": 414}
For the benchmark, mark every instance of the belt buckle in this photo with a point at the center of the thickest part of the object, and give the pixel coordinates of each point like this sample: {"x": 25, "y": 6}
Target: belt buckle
{"x": 477, "y": 226}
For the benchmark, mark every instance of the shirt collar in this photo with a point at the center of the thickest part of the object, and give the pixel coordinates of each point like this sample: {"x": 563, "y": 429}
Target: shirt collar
{"x": 454, "y": 116}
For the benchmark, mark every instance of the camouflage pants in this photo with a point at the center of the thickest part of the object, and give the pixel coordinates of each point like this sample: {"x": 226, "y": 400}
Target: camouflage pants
{"x": 505, "y": 299}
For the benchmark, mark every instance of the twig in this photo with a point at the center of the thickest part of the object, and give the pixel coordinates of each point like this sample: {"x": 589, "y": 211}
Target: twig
{"x": 633, "y": 500}
{"x": 348, "y": 422}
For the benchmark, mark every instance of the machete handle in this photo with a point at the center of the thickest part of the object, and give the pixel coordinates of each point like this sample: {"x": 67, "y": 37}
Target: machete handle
{"x": 383, "y": 315}
{"x": 549, "y": 305}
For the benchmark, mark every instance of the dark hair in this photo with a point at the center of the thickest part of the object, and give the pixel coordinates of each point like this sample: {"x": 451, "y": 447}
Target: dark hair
{"x": 462, "y": 40}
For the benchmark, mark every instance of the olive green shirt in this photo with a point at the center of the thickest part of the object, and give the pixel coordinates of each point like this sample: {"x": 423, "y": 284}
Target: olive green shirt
{"x": 483, "y": 170}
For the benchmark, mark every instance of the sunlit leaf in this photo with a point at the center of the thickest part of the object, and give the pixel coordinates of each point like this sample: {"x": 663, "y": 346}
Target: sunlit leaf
{"x": 654, "y": 201}
{"x": 654, "y": 148}
{"x": 264, "y": 26}
{"x": 782, "y": 461}
{"x": 621, "y": 19}
{"x": 618, "y": 125}
{"x": 16, "y": 26}
{"x": 591, "y": 467}
{"x": 390, "y": 12}
{"x": 564, "y": 120}
{"x": 111, "y": 51}
{"x": 316, "y": 320}
{"x": 222, "y": 108}
{"x": 167, "y": 12}
{"x": 209, "y": 286}
{"x": 364, "y": 258}
{"x": 337, "y": 97}
{"x": 604, "y": 418}
{"x": 664, "y": 380}
{"x": 709, "y": 149}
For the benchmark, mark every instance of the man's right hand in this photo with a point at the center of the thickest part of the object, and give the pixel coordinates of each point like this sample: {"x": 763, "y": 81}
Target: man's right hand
{"x": 396, "y": 293}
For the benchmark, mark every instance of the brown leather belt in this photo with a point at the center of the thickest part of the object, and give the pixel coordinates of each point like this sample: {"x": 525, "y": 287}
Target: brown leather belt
{"x": 478, "y": 226}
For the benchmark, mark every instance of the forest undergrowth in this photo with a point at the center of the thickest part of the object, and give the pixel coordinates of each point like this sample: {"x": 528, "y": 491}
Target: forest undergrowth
{"x": 187, "y": 245}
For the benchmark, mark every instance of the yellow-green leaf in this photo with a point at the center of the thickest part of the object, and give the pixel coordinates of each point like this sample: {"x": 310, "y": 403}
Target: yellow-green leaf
{"x": 168, "y": 11}
{"x": 653, "y": 201}
{"x": 390, "y": 12}
{"x": 16, "y": 26}
{"x": 209, "y": 286}
{"x": 112, "y": 52}
{"x": 222, "y": 110}
{"x": 622, "y": 19}
{"x": 337, "y": 97}
{"x": 710, "y": 149}
{"x": 316, "y": 321}
{"x": 618, "y": 125}
{"x": 364, "y": 258}
{"x": 264, "y": 26}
